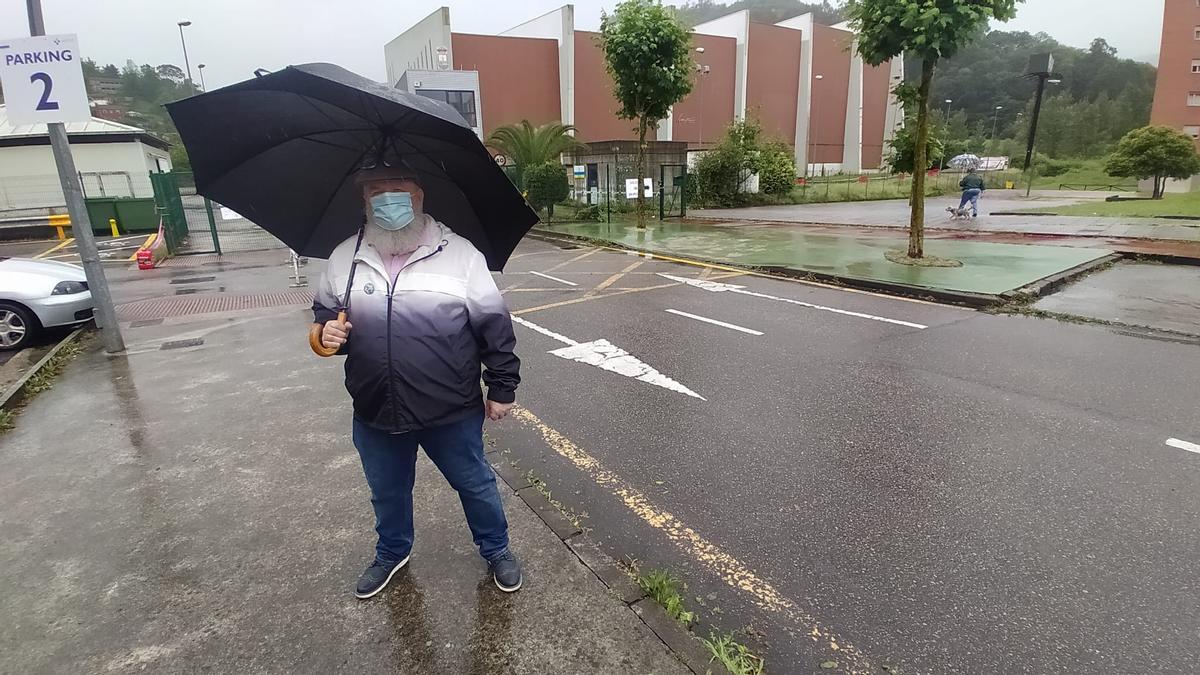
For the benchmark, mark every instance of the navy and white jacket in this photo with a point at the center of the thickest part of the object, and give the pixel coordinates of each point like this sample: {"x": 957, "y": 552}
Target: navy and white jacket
{"x": 414, "y": 354}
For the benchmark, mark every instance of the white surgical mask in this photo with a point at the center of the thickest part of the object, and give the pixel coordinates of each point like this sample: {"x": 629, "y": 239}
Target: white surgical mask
{"x": 392, "y": 211}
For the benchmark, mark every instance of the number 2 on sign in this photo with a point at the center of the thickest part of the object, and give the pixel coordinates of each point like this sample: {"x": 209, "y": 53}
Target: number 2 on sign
{"x": 44, "y": 103}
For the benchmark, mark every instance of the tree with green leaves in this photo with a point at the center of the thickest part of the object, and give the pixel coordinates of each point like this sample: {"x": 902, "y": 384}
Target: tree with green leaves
{"x": 1155, "y": 153}
{"x": 648, "y": 56}
{"x": 930, "y": 30}
{"x": 546, "y": 184}
{"x": 527, "y": 145}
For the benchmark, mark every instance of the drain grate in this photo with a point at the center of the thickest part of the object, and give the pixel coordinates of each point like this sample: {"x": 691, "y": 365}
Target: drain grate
{"x": 179, "y": 344}
{"x": 155, "y": 308}
{"x": 192, "y": 280}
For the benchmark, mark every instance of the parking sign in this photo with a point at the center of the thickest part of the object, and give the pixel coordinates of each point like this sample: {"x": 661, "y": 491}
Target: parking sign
{"x": 42, "y": 79}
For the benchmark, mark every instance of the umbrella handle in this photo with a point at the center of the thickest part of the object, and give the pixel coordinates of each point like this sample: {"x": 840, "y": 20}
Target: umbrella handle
{"x": 314, "y": 338}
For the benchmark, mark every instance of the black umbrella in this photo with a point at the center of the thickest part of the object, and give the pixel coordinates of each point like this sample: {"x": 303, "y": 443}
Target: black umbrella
{"x": 282, "y": 150}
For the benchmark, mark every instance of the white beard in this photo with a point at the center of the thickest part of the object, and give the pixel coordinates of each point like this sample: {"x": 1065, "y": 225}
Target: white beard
{"x": 398, "y": 242}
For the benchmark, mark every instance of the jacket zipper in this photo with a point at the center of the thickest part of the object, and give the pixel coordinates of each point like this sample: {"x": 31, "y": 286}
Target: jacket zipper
{"x": 390, "y": 369}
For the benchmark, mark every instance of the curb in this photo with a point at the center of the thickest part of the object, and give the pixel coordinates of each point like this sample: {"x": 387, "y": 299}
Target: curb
{"x": 974, "y": 300}
{"x": 678, "y": 639}
{"x": 1052, "y": 283}
{"x": 15, "y": 394}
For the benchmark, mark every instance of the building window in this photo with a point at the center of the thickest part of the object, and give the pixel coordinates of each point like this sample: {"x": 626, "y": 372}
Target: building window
{"x": 1194, "y": 99}
{"x": 462, "y": 101}
{"x": 1197, "y": 33}
{"x": 1196, "y": 62}
{"x": 1194, "y": 132}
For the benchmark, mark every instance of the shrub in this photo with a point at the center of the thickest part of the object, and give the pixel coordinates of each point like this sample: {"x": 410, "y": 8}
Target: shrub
{"x": 776, "y": 170}
{"x": 546, "y": 185}
{"x": 590, "y": 214}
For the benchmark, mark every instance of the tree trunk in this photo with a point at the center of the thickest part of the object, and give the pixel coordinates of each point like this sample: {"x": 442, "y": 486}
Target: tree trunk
{"x": 916, "y": 222}
{"x": 641, "y": 174}
{"x": 1159, "y": 187}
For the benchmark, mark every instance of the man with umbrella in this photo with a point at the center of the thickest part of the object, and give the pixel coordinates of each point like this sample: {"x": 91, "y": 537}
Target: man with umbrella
{"x": 424, "y": 313}
{"x": 407, "y": 296}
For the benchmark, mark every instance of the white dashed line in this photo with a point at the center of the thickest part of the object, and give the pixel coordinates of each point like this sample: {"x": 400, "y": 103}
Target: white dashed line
{"x": 561, "y": 281}
{"x": 716, "y": 287}
{"x": 544, "y": 331}
{"x": 1183, "y": 445}
{"x": 714, "y": 322}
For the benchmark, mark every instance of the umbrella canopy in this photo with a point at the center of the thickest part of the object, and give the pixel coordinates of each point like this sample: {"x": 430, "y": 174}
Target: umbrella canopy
{"x": 282, "y": 150}
{"x": 965, "y": 161}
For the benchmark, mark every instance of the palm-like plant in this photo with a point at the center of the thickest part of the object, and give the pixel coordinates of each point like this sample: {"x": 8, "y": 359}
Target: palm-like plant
{"x": 527, "y": 145}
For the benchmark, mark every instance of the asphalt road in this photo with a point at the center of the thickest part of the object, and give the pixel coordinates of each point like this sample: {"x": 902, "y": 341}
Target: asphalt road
{"x": 929, "y": 488}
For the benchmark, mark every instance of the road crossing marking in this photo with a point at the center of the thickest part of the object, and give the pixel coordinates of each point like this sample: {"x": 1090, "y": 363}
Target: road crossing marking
{"x": 714, "y": 322}
{"x": 1184, "y": 445}
{"x": 728, "y": 568}
{"x": 62, "y": 244}
{"x": 547, "y": 276}
{"x": 613, "y": 279}
{"x": 607, "y": 356}
{"x": 716, "y": 287}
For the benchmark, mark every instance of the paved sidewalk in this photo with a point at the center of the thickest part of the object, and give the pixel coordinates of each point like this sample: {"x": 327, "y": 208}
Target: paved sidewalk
{"x": 988, "y": 268}
{"x": 895, "y": 214}
{"x": 202, "y": 509}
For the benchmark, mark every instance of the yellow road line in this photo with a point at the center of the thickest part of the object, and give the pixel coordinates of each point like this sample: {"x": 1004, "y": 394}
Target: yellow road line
{"x": 613, "y": 279}
{"x": 732, "y": 571}
{"x": 564, "y": 263}
{"x": 552, "y": 305}
{"x": 61, "y": 244}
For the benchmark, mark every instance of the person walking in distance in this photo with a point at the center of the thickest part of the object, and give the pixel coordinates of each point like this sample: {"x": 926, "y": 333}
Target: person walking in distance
{"x": 422, "y": 317}
{"x": 972, "y": 187}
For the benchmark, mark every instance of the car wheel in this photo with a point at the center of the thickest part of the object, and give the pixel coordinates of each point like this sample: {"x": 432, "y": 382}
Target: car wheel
{"x": 17, "y": 326}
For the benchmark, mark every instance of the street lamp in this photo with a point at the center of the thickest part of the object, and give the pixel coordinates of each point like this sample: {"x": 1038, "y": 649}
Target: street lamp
{"x": 995, "y": 117}
{"x": 948, "y": 102}
{"x": 1041, "y": 66}
{"x": 200, "y": 67}
{"x": 701, "y": 70}
{"x": 182, "y": 25}
{"x": 814, "y": 125}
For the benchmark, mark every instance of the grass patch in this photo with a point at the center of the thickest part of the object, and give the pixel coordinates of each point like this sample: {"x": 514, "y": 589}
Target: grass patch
{"x": 1185, "y": 204}
{"x": 540, "y": 486}
{"x": 42, "y": 380}
{"x": 664, "y": 588}
{"x": 735, "y": 656}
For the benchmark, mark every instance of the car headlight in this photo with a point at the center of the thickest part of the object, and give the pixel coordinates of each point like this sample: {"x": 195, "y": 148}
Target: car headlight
{"x": 69, "y": 288}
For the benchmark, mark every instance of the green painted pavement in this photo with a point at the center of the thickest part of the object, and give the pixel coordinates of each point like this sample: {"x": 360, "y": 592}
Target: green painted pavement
{"x": 987, "y": 267}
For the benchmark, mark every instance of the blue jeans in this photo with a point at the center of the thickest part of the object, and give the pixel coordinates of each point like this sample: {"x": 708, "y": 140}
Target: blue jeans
{"x": 390, "y": 463}
{"x": 972, "y": 196}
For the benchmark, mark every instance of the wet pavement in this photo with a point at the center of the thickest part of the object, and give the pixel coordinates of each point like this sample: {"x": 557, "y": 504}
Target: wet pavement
{"x": 988, "y": 268}
{"x": 1141, "y": 294}
{"x": 895, "y": 214}
{"x": 202, "y": 509}
{"x": 983, "y": 494}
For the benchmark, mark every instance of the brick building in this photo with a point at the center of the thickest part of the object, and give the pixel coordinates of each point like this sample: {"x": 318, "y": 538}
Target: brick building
{"x": 1177, "y": 91}
{"x": 802, "y": 80}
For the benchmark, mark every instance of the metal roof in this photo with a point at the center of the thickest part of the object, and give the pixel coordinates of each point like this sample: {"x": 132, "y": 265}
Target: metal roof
{"x": 94, "y": 127}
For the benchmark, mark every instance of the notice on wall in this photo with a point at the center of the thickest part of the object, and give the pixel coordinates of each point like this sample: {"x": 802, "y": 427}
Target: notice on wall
{"x": 631, "y": 188}
{"x": 580, "y": 171}
{"x": 43, "y": 80}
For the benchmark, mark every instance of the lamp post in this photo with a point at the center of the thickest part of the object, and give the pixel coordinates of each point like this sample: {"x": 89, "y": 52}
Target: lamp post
{"x": 182, "y": 25}
{"x": 1041, "y": 67}
{"x": 945, "y": 145}
{"x": 701, "y": 70}
{"x": 814, "y": 125}
{"x": 995, "y": 117}
{"x": 200, "y": 68}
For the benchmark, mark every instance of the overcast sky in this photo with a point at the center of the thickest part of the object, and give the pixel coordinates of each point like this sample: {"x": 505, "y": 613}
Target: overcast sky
{"x": 233, "y": 37}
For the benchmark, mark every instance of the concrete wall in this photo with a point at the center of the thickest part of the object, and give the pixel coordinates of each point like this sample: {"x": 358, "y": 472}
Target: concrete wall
{"x": 595, "y": 107}
{"x": 558, "y": 25}
{"x": 518, "y": 77}
{"x": 1175, "y": 76}
{"x": 416, "y": 48}
{"x": 876, "y": 95}
{"x": 29, "y": 178}
{"x": 773, "y": 85}
{"x": 831, "y": 60}
{"x": 413, "y": 81}
{"x": 736, "y": 26}
{"x": 715, "y": 91}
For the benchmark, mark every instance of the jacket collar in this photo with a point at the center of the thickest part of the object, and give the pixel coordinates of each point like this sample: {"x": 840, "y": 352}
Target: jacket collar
{"x": 368, "y": 254}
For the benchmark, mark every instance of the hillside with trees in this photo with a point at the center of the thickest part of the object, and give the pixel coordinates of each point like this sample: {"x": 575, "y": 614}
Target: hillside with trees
{"x": 139, "y": 97}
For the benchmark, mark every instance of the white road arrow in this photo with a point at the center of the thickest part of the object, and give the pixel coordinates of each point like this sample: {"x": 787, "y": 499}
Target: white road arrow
{"x": 607, "y": 356}
{"x": 716, "y": 287}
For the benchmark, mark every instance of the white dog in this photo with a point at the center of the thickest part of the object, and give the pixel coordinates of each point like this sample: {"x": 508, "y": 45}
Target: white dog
{"x": 959, "y": 214}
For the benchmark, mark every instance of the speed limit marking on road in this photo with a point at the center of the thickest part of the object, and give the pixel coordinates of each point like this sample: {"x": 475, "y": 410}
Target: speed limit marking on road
{"x": 42, "y": 79}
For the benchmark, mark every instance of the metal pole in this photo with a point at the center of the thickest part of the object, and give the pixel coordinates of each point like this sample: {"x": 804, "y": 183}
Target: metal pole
{"x": 995, "y": 117}
{"x": 106, "y": 314}
{"x": 1033, "y": 122}
{"x": 608, "y": 191}
{"x": 212, "y": 226}
{"x": 203, "y": 87}
{"x": 191, "y": 87}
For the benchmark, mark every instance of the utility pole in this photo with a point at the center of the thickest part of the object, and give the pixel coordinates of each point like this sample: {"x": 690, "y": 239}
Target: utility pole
{"x": 1041, "y": 66}
{"x": 186, "y": 64}
{"x": 81, "y": 226}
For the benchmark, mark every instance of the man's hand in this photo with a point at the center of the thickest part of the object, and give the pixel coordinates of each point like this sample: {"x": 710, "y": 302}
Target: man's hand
{"x": 497, "y": 411}
{"x": 334, "y": 335}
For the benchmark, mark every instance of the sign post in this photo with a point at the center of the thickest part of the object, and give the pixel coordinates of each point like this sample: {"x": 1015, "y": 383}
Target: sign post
{"x": 43, "y": 84}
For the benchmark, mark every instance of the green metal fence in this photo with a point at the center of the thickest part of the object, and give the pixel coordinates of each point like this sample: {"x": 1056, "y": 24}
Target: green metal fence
{"x": 194, "y": 224}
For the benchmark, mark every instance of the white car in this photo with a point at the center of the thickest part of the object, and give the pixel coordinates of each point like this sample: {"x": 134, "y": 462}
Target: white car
{"x": 39, "y": 294}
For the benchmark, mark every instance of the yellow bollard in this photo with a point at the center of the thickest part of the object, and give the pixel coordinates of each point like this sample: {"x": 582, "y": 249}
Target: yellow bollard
{"x": 112, "y": 225}
{"x": 58, "y": 222}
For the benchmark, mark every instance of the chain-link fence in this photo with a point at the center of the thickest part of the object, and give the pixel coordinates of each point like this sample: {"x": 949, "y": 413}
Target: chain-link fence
{"x": 195, "y": 224}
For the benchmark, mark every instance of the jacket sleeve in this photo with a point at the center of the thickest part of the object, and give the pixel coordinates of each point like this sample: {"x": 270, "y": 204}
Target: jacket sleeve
{"x": 962, "y": 184}
{"x": 493, "y": 331}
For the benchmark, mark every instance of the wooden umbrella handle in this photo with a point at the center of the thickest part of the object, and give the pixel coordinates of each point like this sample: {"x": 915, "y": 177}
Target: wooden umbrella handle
{"x": 314, "y": 338}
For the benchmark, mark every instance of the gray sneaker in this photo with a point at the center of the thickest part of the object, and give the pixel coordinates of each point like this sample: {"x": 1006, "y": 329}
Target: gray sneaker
{"x": 506, "y": 572}
{"x": 376, "y": 577}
